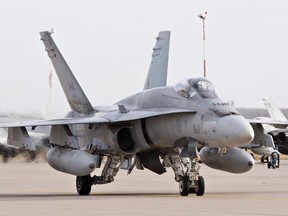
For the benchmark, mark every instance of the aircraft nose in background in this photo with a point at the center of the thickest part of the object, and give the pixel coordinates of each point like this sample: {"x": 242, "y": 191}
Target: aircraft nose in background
{"x": 235, "y": 131}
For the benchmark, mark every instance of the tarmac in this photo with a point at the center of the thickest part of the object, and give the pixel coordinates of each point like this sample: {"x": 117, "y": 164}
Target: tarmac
{"x": 37, "y": 189}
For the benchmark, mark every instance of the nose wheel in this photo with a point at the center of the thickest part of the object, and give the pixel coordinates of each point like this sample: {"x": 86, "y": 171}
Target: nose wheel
{"x": 200, "y": 186}
{"x": 189, "y": 187}
{"x": 186, "y": 170}
{"x": 184, "y": 186}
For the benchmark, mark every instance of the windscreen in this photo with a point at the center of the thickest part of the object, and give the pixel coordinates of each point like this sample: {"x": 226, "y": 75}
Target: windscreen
{"x": 196, "y": 89}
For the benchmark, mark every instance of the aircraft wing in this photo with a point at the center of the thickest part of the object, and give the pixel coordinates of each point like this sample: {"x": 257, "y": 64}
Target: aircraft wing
{"x": 49, "y": 122}
{"x": 99, "y": 117}
{"x": 275, "y": 123}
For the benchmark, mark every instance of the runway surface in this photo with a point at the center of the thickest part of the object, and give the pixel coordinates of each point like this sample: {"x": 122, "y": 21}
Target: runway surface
{"x": 37, "y": 189}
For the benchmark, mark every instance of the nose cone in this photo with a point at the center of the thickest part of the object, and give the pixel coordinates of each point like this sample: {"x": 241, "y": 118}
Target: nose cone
{"x": 234, "y": 131}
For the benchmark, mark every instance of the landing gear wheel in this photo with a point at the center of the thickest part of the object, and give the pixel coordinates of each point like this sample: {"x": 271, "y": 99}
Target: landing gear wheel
{"x": 264, "y": 159}
{"x": 269, "y": 165}
{"x": 200, "y": 187}
{"x": 83, "y": 184}
{"x": 184, "y": 186}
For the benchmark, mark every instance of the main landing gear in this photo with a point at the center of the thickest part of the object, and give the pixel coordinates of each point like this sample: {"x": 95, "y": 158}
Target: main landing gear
{"x": 187, "y": 175}
{"x": 273, "y": 160}
{"x": 84, "y": 183}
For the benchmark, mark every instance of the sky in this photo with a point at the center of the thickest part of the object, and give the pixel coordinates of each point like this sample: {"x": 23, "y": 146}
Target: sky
{"x": 108, "y": 46}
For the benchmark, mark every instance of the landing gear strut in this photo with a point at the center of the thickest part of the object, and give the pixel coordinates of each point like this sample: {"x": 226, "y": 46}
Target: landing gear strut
{"x": 187, "y": 175}
{"x": 84, "y": 183}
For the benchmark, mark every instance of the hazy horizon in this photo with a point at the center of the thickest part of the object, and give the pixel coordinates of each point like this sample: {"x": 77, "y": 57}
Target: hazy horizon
{"x": 108, "y": 45}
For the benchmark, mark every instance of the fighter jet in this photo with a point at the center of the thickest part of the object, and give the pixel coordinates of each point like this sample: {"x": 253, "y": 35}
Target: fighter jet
{"x": 278, "y": 131}
{"x": 159, "y": 127}
{"x": 270, "y": 135}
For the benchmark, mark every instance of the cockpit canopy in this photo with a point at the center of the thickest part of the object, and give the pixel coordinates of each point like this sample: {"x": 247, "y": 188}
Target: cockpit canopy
{"x": 196, "y": 88}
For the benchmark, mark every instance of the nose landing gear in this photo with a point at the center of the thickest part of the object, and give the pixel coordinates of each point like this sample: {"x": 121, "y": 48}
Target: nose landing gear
{"x": 187, "y": 187}
{"x": 187, "y": 175}
{"x": 274, "y": 161}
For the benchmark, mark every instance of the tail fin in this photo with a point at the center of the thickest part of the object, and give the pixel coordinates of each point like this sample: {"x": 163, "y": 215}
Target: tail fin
{"x": 73, "y": 91}
{"x": 274, "y": 111}
{"x": 157, "y": 74}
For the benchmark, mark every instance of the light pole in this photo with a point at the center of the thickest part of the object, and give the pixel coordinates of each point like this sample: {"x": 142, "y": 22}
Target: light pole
{"x": 203, "y": 17}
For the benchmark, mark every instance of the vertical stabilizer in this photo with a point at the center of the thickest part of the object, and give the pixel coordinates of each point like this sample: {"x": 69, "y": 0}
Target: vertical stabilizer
{"x": 73, "y": 91}
{"x": 274, "y": 111}
{"x": 157, "y": 74}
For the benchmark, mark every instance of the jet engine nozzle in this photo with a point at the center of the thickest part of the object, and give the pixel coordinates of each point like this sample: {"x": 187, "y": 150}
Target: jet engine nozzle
{"x": 234, "y": 160}
{"x": 234, "y": 131}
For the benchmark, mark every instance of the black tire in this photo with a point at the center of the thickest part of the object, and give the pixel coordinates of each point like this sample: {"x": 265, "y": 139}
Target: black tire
{"x": 264, "y": 159}
{"x": 200, "y": 189}
{"x": 184, "y": 186}
{"x": 83, "y": 184}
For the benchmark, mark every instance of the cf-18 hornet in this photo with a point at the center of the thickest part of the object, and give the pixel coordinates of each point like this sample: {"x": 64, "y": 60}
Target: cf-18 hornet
{"x": 278, "y": 132}
{"x": 162, "y": 126}
{"x": 275, "y": 128}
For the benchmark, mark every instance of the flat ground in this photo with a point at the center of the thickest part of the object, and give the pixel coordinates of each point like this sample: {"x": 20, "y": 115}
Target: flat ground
{"x": 37, "y": 189}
